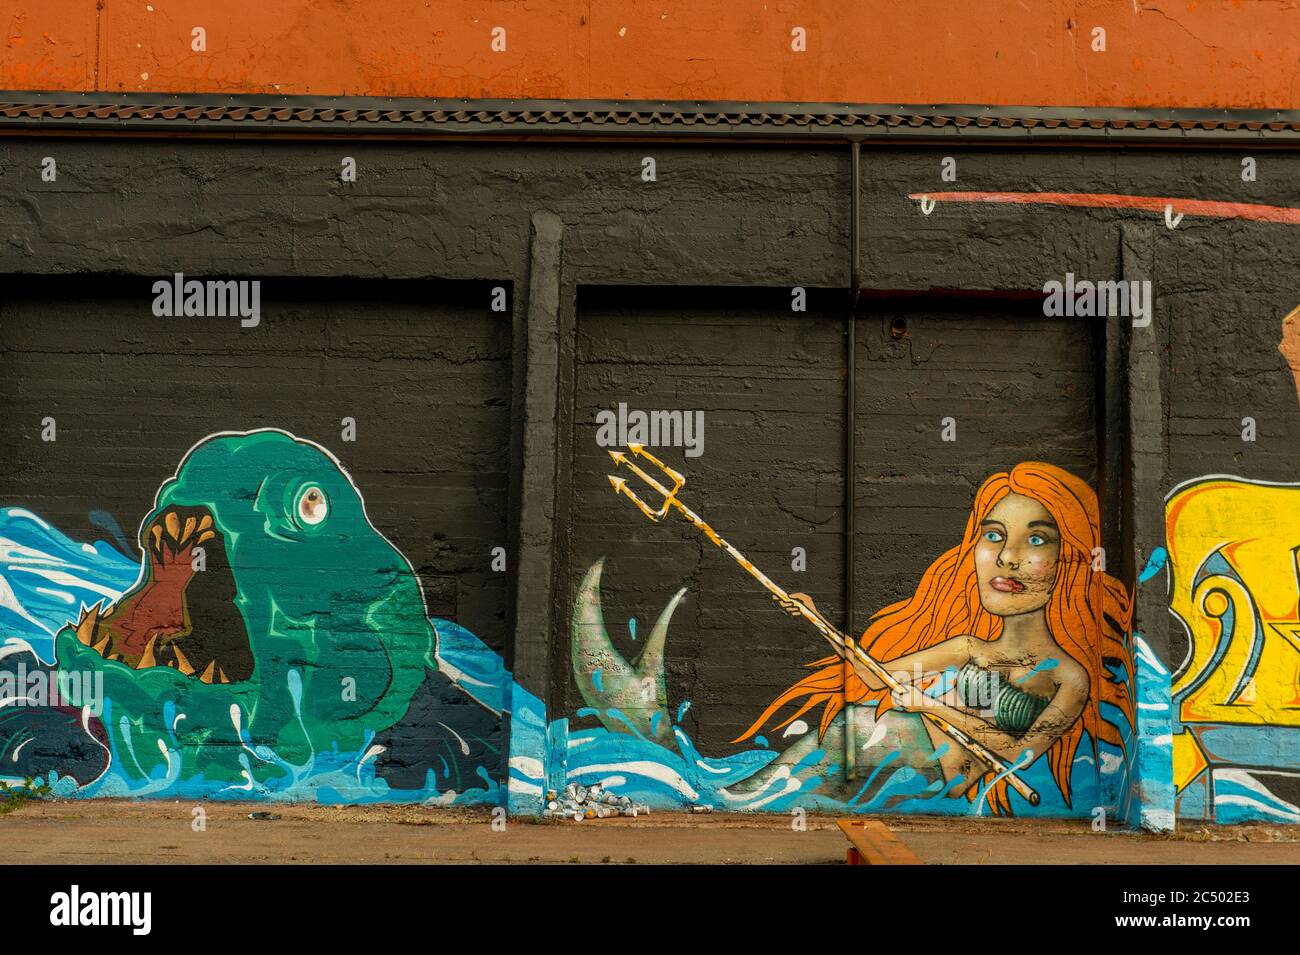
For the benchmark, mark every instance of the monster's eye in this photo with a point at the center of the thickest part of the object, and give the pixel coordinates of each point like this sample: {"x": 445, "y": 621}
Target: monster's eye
{"x": 313, "y": 507}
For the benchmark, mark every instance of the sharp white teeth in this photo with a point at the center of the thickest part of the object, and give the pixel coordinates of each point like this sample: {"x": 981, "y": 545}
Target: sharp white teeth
{"x": 207, "y": 674}
{"x": 86, "y": 625}
{"x": 206, "y": 522}
{"x": 147, "y": 658}
{"x": 182, "y": 663}
{"x": 156, "y": 533}
{"x": 173, "y": 525}
{"x": 206, "y": 536}
{"x": 221, "y": 676}
{"x": 101, "y": 646}
{"x": 189, "y": 529}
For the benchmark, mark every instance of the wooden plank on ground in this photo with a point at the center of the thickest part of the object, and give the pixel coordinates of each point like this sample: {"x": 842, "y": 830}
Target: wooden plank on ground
{"x": 871, "y": 842}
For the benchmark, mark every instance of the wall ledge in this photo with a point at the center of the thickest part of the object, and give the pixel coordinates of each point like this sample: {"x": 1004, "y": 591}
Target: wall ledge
{"x": 39, "y": 112}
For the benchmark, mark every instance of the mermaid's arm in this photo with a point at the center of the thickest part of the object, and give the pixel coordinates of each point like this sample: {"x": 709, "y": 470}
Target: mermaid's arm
{"x": 913, "y": 669}
{"x": 1059, "y": 715}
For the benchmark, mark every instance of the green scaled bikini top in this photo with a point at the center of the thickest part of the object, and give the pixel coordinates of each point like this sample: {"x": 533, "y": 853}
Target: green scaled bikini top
{"x": 1014, "y": 710}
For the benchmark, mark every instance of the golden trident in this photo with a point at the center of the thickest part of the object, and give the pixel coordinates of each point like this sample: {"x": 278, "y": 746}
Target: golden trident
{"x": 844, "y": 647}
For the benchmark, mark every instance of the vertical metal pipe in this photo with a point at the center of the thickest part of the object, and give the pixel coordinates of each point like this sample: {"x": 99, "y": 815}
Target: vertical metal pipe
{"x": 850, "y": 441}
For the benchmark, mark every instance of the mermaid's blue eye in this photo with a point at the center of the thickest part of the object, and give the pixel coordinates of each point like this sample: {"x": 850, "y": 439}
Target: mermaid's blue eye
{"x": 993, "y": 536}
{"x": 1037, "y": 540}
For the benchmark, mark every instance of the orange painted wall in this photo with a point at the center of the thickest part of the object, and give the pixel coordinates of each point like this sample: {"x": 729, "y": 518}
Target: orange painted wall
{"x": 1208, "y": 53}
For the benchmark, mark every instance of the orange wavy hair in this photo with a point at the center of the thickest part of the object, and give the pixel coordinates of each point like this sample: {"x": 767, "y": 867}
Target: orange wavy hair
{"x": 1089, "y": 615}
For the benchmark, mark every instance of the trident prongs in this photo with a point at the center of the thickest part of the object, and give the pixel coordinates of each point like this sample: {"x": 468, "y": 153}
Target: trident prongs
{"x": 620, "y": 487}
{"x": 639, "y": 451}
{"x": 620, "y": 484}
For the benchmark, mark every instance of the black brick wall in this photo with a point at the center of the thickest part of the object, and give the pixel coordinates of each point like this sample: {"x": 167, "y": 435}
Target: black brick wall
{"x": 720, "y": 217}
{"x": 422, "y": 367}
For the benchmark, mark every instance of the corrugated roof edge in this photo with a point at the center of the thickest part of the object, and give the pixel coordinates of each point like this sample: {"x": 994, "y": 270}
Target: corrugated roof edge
{"x": 313, "y": 115}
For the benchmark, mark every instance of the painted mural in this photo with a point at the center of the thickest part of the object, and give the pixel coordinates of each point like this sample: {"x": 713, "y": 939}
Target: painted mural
{"x": 1005, "y": 683}
{"x": 1235, "y": 589}
{"x": 268, "y": 642}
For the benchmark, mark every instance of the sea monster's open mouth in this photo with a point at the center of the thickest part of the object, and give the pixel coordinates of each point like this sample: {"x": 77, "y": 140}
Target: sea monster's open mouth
{"x": 182, "y": 614}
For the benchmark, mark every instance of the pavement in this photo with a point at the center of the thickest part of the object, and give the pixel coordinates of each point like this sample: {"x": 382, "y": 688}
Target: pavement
{"x": 124, "y": 831}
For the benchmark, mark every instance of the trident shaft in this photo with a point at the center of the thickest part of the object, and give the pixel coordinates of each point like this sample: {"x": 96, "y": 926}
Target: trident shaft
{"x": 844, "y": 647}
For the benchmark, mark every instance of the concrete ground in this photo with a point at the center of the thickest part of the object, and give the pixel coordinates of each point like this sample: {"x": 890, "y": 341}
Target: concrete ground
{"x": 120, "y": 831}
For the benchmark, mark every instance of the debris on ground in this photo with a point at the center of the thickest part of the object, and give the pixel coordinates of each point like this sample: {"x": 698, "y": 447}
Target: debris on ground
{"x": 590, "y": 802}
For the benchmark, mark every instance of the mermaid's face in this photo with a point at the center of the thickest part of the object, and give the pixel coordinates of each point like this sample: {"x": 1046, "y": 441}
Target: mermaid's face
{"x": 1016, "y": 556}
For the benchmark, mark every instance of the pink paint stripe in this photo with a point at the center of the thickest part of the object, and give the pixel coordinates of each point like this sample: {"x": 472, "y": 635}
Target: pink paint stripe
{"x": 1190, "y": 207}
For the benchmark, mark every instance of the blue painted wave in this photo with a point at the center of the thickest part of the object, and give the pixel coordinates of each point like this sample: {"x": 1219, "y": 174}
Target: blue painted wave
{"x": 652, "y": 774}
{"x": 46, "y": 578}
{"x": 1239, "y": 797}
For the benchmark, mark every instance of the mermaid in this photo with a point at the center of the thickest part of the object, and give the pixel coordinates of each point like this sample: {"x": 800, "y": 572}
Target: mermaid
{"x": 1004, "y": 638}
